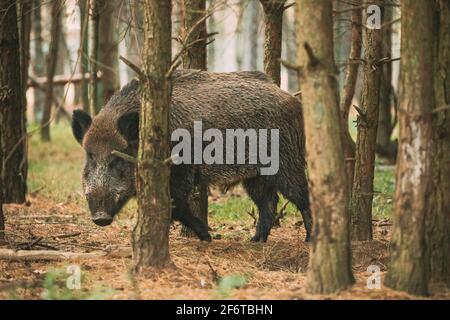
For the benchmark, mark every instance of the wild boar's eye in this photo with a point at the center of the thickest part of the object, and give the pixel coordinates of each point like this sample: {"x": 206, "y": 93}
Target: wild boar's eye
{"x": 91, "y": 156}
{"x": 114, "y": 162}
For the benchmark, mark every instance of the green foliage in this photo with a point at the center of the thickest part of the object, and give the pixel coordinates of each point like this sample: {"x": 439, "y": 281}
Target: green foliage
{"x": 55, "y": 288}
{"x": 227, "y": 284}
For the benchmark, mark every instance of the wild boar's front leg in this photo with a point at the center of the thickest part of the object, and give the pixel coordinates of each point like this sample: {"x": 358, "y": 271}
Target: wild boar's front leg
{"x": 182, "y": 212}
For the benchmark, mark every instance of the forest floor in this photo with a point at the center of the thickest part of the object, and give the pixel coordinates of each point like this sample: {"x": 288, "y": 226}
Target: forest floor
{"x": 231, "y": 267}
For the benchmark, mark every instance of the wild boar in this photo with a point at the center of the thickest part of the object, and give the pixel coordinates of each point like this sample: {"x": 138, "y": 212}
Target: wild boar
{"x": 244, "y": 100}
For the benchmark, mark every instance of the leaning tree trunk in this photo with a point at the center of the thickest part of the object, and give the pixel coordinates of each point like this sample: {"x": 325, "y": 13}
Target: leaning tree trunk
{"x": 108, "y": 47}
{"x": 330, "y": 260}
{"x": 351, "y": 76}
{"x": 150, "y": 238}
{"x": 38, "y": 66}
{"x": 273, "y": 21}
{"x": 409, "y": 257}
{"x": 84, "y": 51}
{"x": 362, "y": 192}
{"x": 93, "y": 57}
{"x": 195, "y": 58}
{"x": 52, "y": 56}
{"x": 12, "y": 109}
{"x": 439, "y": 221}
{"x": 385, "y": 147}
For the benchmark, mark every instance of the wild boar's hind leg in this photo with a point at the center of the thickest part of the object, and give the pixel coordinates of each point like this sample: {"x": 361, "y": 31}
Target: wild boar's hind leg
{"x": 265, "y": 197}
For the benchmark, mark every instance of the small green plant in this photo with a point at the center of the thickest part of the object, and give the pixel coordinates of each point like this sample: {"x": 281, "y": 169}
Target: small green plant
{"x": 228, "y": 283}
{"x": 55, "y": 288}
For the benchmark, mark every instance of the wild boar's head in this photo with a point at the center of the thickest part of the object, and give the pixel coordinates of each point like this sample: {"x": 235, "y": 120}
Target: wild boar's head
{"x": 108, "y": 181}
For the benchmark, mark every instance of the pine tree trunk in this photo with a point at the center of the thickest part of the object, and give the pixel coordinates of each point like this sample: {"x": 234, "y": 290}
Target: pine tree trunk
{"x": 12, "y": 109}
{"x": 439, "y": 220}
{"x": 211, "y": 48}
{"x": 330, "y": 260}
{"x": 94, "y": 107}
{"x": 109, "y": 47}
{"x": 196, "y": 58}
{"x": 409, "y": 257}
{"x": 290, "y": 43}
{"x": 84, "y": 51}
{"x": 362, "y": 192}
{"x": 385, "y": 147}
{"x": 351, "y": 76}
{"x": 151, "y": 234}
{"x": 273, "y": 21}
{"x": 2, "y": 217}
{"x": 52, "y": 57}
{"x": 38, "y": 66}
{"x": 24, "y": 32}
{"x": 251, "y": 35}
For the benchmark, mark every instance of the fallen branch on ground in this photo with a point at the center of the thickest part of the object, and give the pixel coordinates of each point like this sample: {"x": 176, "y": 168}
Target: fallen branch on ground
{"x": 35, "y": 255}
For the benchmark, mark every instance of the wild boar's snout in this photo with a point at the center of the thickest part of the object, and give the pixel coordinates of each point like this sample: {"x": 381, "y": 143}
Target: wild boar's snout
{"x": 102, "y": 219}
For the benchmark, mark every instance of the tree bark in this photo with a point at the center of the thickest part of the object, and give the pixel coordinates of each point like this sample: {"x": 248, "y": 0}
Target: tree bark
{"x": 150, "y": 238}
{"x": 24, "y": 32}
{"x": 409, "y": 257}
{"x": 439, "y": 221}
{"x": 351, "y": 76}
{"x": 2, "y": 217}
{"x": 362, "y": 192}
{"x": 94, "y": 107}
{"x": 196, "y": 58}
{"x": 330, "y": 260}
{"x": 12, "y": 109}
{"x": 108, "y": 47}
{"x": 38, "y": 67}
{"x": 52, "y": 57}
{"x": 385, "y": 147}
{"x": 84, "y": 51}
{"x": 273, "y": 21}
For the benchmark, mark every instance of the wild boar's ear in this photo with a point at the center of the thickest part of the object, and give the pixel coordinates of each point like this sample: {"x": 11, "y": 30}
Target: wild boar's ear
{"x": 81, "y": 121}
{"x": 128, "y": 125}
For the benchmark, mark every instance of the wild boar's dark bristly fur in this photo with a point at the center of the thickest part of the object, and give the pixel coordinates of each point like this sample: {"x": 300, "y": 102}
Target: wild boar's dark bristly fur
{"x": 246, "y": 100}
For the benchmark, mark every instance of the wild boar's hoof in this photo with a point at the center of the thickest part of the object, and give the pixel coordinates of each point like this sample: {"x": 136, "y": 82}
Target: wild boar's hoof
{"x": 206, "y": 238}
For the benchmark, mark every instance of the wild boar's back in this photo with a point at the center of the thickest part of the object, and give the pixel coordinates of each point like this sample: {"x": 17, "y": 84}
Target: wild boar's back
{"x": 220, "y": 100}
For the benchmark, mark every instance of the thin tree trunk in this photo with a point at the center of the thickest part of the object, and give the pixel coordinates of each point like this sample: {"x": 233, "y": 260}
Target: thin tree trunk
{"x": 362, "y": 192}
{"x": 351, "y": 76}
{"x": 12, "y": 109}
{"x": 385, "y": 147}
{"x": 150, "y": 238}
{"x": 290, "y": 43}
{"x": 439, "y": 221}
{"x": 330, "y": 260}
{"x": 25, "y": 31}
{"x": 93, "y": 57}
{"x": 409, "y": 257}
{"x": 273, "y": 21}
{"x": 196, "y": 58}
{"x": 38, "y": 66}
{"x": 109, "y": 47}
{"x": 2, "y": 217}
{"x": 252, "y": 27}
{"x": 211, "y": 48}
{"x": 84, "y": 51}
{"x": 52, "y": 57}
